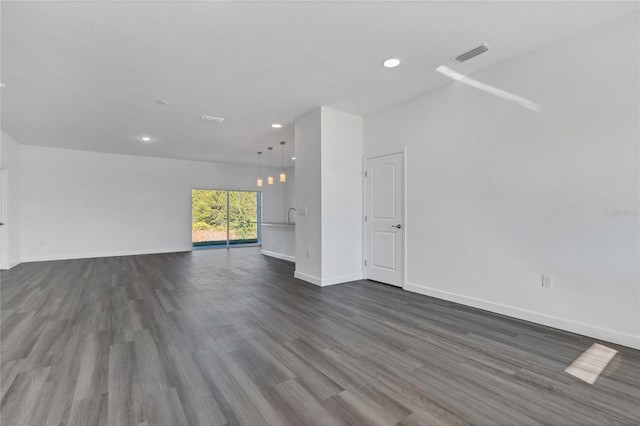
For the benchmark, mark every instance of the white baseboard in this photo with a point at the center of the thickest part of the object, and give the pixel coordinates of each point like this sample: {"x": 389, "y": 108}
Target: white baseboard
{"x": 48, "y": 258}
{"x": 11, "y": 265}
{"x": 341, "y": 279}
{"x": 323, "y": 282}
{"x": 624, "y": 339}
{"x": 308, "y": 278}
{"x": 278, "y": 255}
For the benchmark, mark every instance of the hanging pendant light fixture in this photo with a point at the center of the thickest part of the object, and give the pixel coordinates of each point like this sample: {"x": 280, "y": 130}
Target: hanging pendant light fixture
{"x": 283, "y": 176}
{"x": 259, "y": 181}
{"x": 270, "y": 177}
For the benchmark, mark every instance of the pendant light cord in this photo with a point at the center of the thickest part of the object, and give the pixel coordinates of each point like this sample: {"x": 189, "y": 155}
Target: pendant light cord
{"x": 259, "y": 165}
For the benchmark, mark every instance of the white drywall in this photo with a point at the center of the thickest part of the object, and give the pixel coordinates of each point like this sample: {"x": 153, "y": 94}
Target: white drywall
{"x": 290, "y": 193}
{"x": 499, "y": 195}
{"x": 341, "y": 196}
{"x": 279, "y": 240}
{"x": 329, "y": 187}
{"x": 279, "y": 197}
{"x": 79, "y": 204}
{"x": 307, "y": 196}
{"x": 10, "y": 233}
{"x": 272, "y": 200}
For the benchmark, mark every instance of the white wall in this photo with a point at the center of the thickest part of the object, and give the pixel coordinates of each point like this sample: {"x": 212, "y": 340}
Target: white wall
{"x": 341, "y": 196}
{"x": 79, "y": 204}
{"x": 290, "y": 193}
{"x": 499, "y": 195}
{"x": 329, "y": 185}
{"x": 278, "y": 240}
{"x": 10, "y": 232}
{"x": 279, "y": 197}
{"x": 307, "y": 194}
{"x": 272, "y": 199}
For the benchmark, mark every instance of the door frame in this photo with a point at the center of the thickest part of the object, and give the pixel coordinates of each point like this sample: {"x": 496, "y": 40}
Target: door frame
{"x": 403, "y": 153}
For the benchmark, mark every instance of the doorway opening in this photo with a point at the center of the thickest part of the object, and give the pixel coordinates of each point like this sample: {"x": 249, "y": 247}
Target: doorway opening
{"x": 222, "y": 218}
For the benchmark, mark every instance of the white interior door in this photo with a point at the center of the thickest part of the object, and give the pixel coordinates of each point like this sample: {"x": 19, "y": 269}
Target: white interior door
{"x": 384, "y": 227}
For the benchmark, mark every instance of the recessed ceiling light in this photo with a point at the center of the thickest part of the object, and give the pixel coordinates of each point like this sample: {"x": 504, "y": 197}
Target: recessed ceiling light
{"x": 162, "y": 102}
{"x": 293, "y": 158}
{"x": 3, "y": 85}
{"x": 276, "y": 125}
{"x": 391, "y": 63}
{"x": 145, "y": 139}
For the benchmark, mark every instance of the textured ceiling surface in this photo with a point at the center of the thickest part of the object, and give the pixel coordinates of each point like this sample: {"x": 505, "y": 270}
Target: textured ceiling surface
{"x": 86, "y": 75}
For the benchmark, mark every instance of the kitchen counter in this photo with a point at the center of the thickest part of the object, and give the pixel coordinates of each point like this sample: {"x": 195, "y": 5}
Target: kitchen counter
{"x": 278, "y": 240}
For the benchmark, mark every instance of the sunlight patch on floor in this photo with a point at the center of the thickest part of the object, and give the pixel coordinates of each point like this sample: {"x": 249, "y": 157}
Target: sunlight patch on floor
{"x": 591, "y": 363}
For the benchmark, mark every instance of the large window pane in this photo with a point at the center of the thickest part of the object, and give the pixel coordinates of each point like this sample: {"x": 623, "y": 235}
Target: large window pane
{"x": 213, "y": 223}
{"x": 243, "y": 217}
{"x": 208, "y": 217}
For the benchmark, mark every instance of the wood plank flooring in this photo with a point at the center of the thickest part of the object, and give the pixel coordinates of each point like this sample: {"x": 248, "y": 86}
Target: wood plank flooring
{"x": 222, "y": 337}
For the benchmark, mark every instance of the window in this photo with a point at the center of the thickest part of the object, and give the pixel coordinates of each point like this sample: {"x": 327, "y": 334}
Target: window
{"x": 224, "y": 218}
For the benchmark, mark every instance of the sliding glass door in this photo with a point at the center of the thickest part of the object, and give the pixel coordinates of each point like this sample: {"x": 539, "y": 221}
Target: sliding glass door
{"x": 243, "y": 217}
{"x": 208, "y": 217}
{"x": 224, "y": 218}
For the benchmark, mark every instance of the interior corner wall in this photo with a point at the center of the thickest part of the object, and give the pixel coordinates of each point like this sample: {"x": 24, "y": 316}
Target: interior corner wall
{"x": 272, "y": 200}
{"x": 499, "y": 195}
{"x": 10, "y": 162}
{"x": 290, "y": 193}
{"x": 341, "y": 170}
{"x": 307, "y": 196}
{"x": 79, "y": 204}
{"x": 329, "y": 187}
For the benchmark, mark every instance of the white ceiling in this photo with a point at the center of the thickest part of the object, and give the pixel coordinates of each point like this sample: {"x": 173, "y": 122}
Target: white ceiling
{"x": 86, "y": 75}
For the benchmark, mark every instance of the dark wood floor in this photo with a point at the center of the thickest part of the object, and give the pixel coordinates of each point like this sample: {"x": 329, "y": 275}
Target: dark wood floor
{"x": 229, "y": 337}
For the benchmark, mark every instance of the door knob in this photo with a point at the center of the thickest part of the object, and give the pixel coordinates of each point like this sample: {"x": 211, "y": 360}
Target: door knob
{"x": 396, "y": 226}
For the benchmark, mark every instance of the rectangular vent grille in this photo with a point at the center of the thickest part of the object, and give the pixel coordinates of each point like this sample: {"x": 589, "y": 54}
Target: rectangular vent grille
{"x": 471, "y": 53}
{"x": 206, "y": 117}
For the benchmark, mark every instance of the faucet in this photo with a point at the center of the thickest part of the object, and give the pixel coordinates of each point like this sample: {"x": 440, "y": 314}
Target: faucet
{"x": 289, "y": 215}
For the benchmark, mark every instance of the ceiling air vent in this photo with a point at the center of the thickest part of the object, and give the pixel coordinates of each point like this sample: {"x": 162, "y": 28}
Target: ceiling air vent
{"x": 206, "y": 117}
{"x": 471, "y": 53}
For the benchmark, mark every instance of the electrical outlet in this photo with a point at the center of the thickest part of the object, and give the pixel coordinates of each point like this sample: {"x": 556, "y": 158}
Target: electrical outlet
{"x": 547, "y": 281}
{"x": 309, "y": 253}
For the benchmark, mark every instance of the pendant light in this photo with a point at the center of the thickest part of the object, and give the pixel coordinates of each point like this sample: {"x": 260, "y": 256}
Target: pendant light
{"x": 270, "y": 177}
{"x": 259, "y": 181}
{"x": 283, "y": 176}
